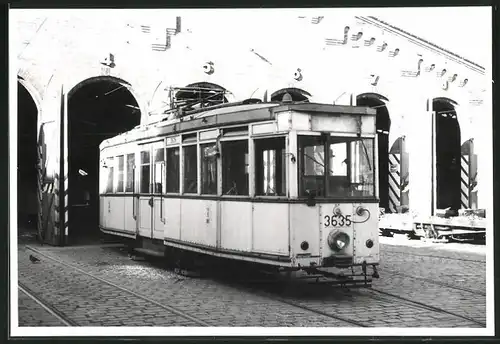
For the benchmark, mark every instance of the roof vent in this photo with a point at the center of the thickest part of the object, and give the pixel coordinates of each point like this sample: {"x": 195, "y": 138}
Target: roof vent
{"x": 287, "y": 98}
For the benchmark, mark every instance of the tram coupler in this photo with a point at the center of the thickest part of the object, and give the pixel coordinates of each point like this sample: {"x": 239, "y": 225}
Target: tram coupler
{"x": 375, "y": 272}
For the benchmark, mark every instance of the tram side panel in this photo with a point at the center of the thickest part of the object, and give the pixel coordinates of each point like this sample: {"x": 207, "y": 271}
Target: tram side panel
{"x": 199, "y": 222}
{"x": 366, "y": 237}
{"x": 305, "y": 225}
{"x": 102, "y": 215}
{"x": 130, "y": 221}
{"x": 172, "y": 218}
{"x": 236, "y": 226}
{"x": 270, "y": 228}
{"x": 113, "y": 211}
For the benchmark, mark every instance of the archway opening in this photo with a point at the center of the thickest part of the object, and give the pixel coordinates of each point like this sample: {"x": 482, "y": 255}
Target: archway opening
{"x": 98, "y": 109}
{"x": 383, "y": 124}
{"x": 199, "y": 95}
{"x": 27, "y": 158}
{"x": 297, "y": 94}
{"x": 447, "y": 150}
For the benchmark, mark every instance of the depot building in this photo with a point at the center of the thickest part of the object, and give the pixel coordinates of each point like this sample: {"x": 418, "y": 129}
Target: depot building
{"x": 82, "y": 80}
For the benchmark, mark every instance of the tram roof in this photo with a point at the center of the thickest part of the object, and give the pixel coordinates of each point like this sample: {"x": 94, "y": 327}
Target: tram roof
{"x": 230, "y": 114}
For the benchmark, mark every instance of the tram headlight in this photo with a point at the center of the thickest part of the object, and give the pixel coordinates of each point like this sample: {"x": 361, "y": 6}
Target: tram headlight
{"x": 338, "y": 241}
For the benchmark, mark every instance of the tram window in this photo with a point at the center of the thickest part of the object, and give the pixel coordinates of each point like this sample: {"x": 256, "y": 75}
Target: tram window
{"x": 312, "y": 165}
{"x": 145, "y": 177}
{"x": 362, "y": 167}
{"x": 159, "y": 168}
{"x": 111, "y": 171}
{"x": 349, "y": 162}
{"x": 173, "y": 169}
{"x": 270, "y": 167}
{"x": 120, "y": 174}
{"x": 129, "y": 184}
{"x": 208, "y": 170}
{"x": 190, "y": 169}
{"x": 235, "y": 167}
{"x": 338, "y": 159}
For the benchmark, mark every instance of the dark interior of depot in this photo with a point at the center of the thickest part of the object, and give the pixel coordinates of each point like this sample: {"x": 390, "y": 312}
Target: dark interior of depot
{"x": 383, "y": 125}
{"x": 97, "y": 110}
{"x": 27, "y": 205}
{"x": 447, "y": 155}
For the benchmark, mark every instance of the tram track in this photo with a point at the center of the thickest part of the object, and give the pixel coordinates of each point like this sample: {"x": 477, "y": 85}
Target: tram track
{"x": 255, "y": 291}
{"x": 47, "y": 306}
{"x": 421, "y": 305}
{"x": 296, "y": 304}
{"x": 438, "y": 257}
{"x": 228, "y": 279}
{"x": 244, "y": 283}
{"x": 169, "y": 308}
{"x": 442, "y": 284}
{"x": 316, "y": 307}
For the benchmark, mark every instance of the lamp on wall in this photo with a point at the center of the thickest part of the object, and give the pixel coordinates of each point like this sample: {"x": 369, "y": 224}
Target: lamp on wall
{"x": 208, "y": 68}
{"x": 108, "y": 61}
{"x": 298, "y": 74}
{"x": 382, "y": 47}
{"x": 369, "y": 42}
{"x": 441, "y": 73}
{"x": 394, "y": 53}
{"x": 374, "y": 79}
{"x": 430, "y": 68}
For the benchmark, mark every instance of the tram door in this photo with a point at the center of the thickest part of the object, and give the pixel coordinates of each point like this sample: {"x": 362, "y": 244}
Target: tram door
{"x": 145, "y": 202}
{"x": 158, "y": 211}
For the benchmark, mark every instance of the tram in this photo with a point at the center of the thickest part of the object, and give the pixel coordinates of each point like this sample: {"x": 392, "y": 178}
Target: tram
{"x": 288, "y": 185}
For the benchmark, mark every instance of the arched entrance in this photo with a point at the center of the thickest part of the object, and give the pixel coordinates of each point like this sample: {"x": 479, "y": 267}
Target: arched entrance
{"x": 383, "y": 124}
{"x": 98, "y": 108}
{"x": 27, "y": 159}
{"x": 447, "y": 154}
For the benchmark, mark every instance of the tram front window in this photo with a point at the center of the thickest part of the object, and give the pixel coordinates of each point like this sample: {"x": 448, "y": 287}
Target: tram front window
{"x": 346, "y": 170}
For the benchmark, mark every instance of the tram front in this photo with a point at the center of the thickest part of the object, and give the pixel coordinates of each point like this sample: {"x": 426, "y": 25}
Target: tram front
{"x": 334, "y": 219}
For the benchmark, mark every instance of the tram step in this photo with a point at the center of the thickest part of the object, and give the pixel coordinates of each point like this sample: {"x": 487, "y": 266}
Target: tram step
{"x": 149, "y": 252}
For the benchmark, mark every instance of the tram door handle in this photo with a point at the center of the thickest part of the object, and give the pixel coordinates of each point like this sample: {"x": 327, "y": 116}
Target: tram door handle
{"x": 134, "y": 215}
{"x": 161, "y": 210}
{"x": 150, "y": 202}
{"x": 161, "y": 192}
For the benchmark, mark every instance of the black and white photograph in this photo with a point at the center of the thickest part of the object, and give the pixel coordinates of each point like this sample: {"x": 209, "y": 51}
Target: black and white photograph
{"x": 251, "y": 172}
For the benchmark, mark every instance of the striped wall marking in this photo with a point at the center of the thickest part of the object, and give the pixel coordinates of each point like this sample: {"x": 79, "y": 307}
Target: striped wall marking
{"x": 56, "y": 204}
{"x": 464, "y": 181}
{"x": 40, "y": 188}
{"x": 65, "y": 180}
{"x": 66, "y": 198}
{"x": 394, "y": 183}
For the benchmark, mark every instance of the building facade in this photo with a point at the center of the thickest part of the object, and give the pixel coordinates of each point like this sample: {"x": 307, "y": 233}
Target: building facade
{"x": 431, "y": 112}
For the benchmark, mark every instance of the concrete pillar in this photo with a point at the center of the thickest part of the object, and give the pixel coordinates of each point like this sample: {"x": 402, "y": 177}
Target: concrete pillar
{"x": 419, "y": 143}
{"x": 483, "y": 148}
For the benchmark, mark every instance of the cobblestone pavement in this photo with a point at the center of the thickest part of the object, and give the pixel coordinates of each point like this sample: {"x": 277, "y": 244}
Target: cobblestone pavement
{"x": 89, "y": 301}
{"x": 32, "y": 314}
